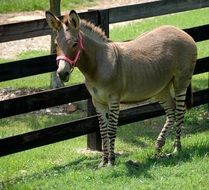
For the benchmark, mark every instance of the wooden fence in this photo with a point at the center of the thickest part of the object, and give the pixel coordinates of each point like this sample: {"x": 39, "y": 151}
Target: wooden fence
{"x": 88, "y": 125}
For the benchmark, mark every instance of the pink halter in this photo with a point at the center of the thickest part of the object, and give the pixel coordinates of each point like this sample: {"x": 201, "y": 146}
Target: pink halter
{"x": 72, "y": 62}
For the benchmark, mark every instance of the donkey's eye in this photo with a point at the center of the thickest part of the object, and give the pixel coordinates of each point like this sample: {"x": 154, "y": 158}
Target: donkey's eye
{"x": 75, "y": 44}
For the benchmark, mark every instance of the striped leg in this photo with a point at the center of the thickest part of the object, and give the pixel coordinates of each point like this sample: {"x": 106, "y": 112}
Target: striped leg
{"x": 170, "y": 113}
{"x": 179, "y": 113}
{"x": 102, "y": 112}
{"x": 104, "y": 135}
{"x": 112, "y": 127}
{"x": 167, "y": 102}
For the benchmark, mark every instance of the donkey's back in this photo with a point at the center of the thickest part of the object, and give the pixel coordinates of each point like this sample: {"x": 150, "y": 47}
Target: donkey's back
{"x": 153, "y": 60}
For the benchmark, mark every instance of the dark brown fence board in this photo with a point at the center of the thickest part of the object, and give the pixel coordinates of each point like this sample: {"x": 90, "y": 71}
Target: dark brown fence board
{"x": 23, "y": 30}
{"x": 151, "y": 110}
{"x": 85, "y": 126}
{"x": 24, "y": 104}
{"x": 202, "y": 66}
{"x": 199, "y": 33}
{"x": 201, "y": 97}
{"x": 150, "y": 9}
{"x": 35, "y": 28}
{"x": 27, "y": 67}
{"x": 48, "y": 135}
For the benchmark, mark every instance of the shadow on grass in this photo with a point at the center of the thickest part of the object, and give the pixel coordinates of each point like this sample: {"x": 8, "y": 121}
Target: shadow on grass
{"x": 136, "y": 169}
{"x": 130, "y": 134}
{"x": 133, "y": 169}
{"x": 79, "y": 164}
{"x": 140, "y": 133}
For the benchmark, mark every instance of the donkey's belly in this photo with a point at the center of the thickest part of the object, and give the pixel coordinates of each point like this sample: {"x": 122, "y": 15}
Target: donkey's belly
{"x": 136, "y": 97}
{"x": 139, "y": 92}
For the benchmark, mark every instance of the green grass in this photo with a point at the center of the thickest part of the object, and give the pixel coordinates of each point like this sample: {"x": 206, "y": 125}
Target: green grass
{"x": 32, "y": 5}
{"x": 66, "y": 165}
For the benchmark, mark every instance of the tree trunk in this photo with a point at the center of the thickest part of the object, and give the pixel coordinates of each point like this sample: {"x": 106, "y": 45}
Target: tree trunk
{"x": 55, "y": 9}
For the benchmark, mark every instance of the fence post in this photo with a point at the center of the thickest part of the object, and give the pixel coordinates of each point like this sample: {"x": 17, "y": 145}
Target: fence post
{"x": 208, "y": 87}
{"x": 94, "y": 141}
{"x": 55, "y": 9}
{"x": 103, "y": 17}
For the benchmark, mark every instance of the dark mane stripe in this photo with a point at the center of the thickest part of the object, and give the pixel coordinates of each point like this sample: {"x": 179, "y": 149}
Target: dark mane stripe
{"x": 93, "y": 31}
{"x": 89, "y": 29}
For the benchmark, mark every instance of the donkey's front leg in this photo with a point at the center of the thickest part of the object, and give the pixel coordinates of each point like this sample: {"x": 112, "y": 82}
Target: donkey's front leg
{"x": 103, "y": 123}
{"x": 102, "y": 113}
{"x": 112, "y": 127}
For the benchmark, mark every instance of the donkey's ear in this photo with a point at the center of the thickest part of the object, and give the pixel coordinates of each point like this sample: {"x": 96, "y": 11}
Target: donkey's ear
{"x": 74, "y": 19}
{"x": 53, "y": 21}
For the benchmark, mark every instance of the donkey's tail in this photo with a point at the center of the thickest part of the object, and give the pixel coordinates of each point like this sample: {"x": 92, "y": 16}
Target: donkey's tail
{"x": 189, "y": 97}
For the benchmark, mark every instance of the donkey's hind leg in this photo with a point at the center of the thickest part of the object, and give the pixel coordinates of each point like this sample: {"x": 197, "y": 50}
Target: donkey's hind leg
{"x": 179, "y": 115}
{"x": 167, "y": 102}
{"x": 181, "y": 83}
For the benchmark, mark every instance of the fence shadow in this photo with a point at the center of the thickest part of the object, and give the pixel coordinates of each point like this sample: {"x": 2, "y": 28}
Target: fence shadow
{"x": 196, "y": 121}
{"x": 136, "y": 169}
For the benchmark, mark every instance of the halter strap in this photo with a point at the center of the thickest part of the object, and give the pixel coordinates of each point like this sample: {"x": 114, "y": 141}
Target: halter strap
{"x": 72, "y": 62}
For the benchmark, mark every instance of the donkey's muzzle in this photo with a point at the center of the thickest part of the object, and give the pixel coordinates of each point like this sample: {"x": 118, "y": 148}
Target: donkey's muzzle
{"x": 64, "y": 76}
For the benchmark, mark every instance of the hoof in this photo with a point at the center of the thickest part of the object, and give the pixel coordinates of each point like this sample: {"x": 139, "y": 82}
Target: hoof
{"x": 168, "y": 155}
{"x": 176, "y": 151}
{"x": 159, "y": 155}
{"x": 103, "y": 163}
{"x": 133, "y": 164}
{"x": 110, "y": 164}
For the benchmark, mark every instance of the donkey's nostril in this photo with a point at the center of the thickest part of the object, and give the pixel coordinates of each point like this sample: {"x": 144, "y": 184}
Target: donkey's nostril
{"x": 63, "y": 75}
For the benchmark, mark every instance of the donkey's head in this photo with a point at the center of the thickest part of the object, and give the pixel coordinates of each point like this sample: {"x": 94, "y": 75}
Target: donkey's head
{"x": 69, "y": 41}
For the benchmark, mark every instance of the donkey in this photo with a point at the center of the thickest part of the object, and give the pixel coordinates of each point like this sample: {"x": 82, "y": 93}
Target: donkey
{"x": 154, "y": 64}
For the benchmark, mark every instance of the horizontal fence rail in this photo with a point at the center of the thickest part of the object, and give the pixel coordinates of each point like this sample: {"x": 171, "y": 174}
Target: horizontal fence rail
{"x": 150, "y": 9}
{"x": 84, "y": 126}
{"x": 27, "y": 67}
{"x": 41, "y": 100}
{"x": 30, "y": 29}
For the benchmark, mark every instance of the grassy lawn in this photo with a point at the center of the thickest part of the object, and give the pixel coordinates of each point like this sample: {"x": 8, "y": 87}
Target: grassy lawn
{"x": 67, "y": 165}
{"x": 32, "y": 5}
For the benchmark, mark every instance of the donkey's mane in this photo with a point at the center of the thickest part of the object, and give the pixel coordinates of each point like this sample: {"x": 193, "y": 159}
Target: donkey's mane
{"x": 93, "y": 31}
{"x": 90, "y": 30}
